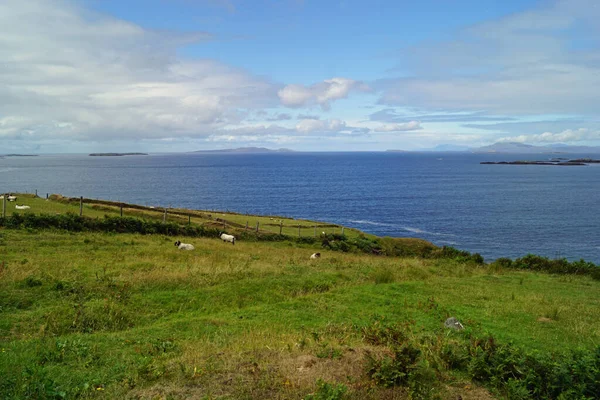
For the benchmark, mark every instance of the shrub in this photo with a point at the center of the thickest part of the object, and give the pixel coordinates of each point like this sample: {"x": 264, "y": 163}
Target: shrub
{"x": 328, "y": 391}
{"x": 394, "y": 370}
{"x": 560, "y": 266}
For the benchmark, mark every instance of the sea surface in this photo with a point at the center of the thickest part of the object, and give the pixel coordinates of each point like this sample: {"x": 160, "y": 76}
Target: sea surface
{"x": 446, "y": 198}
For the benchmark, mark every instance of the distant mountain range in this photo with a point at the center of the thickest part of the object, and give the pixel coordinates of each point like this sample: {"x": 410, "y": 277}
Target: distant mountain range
{"x": 513, "y": 147}
{"x": 246, "y": 150}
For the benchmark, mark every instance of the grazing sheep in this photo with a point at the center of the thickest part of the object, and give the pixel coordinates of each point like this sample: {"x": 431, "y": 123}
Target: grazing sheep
{"x": 227, "y": 238}
{"x": 184, "y": 246}
{"x": 11, "y": 198}
{"x": 315, "y": 256}
{"x": 18, "y": 207}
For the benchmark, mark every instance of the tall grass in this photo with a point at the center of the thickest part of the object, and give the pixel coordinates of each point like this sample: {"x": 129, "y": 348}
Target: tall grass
{"x": 95, "y": 314}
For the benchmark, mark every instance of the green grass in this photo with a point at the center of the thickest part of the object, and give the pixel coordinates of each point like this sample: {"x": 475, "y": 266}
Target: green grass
{"x": 57, "y": 204}
{"x": 119, "y": 315}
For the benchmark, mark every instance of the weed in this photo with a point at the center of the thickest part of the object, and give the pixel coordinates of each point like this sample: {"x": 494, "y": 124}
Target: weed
{"x": 394, "y": 370}
{"x": 32, "y": 281}
{"x": 328, "y": 351}
{"x": 383, "y": 275}
{"x": 328, "y": 391}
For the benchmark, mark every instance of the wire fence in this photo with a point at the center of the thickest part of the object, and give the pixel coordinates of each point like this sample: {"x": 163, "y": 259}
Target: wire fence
{"x": 226, "y": 221}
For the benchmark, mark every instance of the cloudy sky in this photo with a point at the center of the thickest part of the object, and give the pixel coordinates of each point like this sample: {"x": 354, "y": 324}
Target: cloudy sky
{"x": 180, "y": 75}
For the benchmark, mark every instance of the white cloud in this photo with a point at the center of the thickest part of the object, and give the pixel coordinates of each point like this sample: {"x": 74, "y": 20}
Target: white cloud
{"x": 68, "y": 73}
{"x": 408, "y": 126}
{"x": 542, "y": 61}
{"x": 322, "y": 93}
{"x": 568, "y": 135}
{"x": 312, "y": 125}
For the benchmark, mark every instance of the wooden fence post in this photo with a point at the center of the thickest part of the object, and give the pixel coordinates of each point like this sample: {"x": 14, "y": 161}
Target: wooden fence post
{"x": 4, "y": 206}
{"x": 280, "y": 226}
{"x": 298, "y": 230}
{"x": 342, "y": 231}
{"x": 80, "y": 206}
{"x": 246, "y": 225}
{"x": 46, "y": 196}
{"x": 189, "y": 219}
{"x": 121, "y": 209}
{"x": 257, "y": 226}
{"x": 165, "y": 216}
{"x": 315, "y": 234}
{"x": 35, "y": 192}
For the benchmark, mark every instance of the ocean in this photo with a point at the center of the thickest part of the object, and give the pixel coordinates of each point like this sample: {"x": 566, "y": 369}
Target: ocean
{"x": 446, "y": 198}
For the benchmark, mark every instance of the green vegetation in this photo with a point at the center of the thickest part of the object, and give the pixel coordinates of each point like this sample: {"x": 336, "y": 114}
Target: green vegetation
{"x": 111, "y": 312}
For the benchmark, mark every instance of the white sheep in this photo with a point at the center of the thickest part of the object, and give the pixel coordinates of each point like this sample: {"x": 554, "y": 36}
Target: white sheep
{"x": 184, "y": 246}
{"x": 12, "y": 198}
{"x": 23, "y": 207}
{"x": 315, "y": 256}
{"x": 227, "y": 238}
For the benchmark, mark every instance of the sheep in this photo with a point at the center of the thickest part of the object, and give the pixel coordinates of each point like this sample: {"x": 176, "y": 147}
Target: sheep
{"x": 11, "y": 198}
{"x": 23, "y": 207}
{"x": 315, "y": 256}
{"x": 183, "y": 246}
{"x": 227, "y": 238}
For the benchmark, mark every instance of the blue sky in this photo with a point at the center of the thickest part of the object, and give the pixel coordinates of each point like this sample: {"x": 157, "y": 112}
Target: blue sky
{"x": 179, "y": 75}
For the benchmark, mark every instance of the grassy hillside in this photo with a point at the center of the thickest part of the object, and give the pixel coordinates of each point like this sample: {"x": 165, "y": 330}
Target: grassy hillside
{"x": 105, "y": 315}
{"x": 94, "y": 208}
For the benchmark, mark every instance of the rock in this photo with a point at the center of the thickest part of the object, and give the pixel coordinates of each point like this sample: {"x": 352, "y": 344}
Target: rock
{"x": 453, "y": 323}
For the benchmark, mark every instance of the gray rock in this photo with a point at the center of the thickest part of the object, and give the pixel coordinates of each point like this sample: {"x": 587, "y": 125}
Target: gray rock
{"x": 453, "y": 323}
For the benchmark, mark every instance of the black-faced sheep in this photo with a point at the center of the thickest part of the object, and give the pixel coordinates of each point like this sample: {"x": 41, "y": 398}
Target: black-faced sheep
{"x": 183, "y": 246}
{"x": 227, "y": 238}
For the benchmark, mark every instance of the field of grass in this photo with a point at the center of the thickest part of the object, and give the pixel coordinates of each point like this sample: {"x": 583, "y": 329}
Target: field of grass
{"x": 57, "y": 204}
{"x": 101, "y": 315}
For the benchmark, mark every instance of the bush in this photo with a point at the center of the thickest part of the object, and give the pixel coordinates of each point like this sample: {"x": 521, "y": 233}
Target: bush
{"x": 518, "y": 374}
{"x": 394, "y": 370}
{"x": 328, "y": 391}
{"x": 560, "y": 266}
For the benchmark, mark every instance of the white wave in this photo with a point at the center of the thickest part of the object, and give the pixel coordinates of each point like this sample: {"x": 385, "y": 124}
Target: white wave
{"x": 372, "y": 223}
{"x": 405, "y": 228}
{"x": 7, "y": 169}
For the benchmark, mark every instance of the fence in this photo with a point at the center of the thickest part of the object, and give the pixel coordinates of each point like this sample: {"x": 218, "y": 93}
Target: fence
{"x": 56, "y": 204}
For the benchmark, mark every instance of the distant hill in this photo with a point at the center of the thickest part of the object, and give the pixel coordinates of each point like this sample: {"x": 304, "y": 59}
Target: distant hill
{"x": 522, "y": 148}
{"x": 246, "y": 150}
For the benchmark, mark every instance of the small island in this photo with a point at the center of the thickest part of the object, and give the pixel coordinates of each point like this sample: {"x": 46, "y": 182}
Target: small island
{"x": 116, "y": 154}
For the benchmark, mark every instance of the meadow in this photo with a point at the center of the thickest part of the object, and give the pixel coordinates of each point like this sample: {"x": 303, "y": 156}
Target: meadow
{"x": 120, "y": 315}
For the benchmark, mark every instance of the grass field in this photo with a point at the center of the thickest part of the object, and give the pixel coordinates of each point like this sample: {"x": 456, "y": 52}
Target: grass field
{"x": 101, "y": 315}
{"x": 57, "y": 204}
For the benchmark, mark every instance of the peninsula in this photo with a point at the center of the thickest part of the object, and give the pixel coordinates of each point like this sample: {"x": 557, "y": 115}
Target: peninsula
{"x": 104, "y": 305}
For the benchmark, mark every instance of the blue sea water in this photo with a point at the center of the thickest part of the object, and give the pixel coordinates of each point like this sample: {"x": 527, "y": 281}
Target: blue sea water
{"x": 446, "y": 198}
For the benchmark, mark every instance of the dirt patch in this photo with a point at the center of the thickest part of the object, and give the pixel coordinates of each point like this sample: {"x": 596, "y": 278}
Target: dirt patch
{"x": 304, "y": 370}
{"x": 467, "y": 391}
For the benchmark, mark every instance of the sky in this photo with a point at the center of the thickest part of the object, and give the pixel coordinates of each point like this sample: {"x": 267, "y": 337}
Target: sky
{"x": 307, "y": 75}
